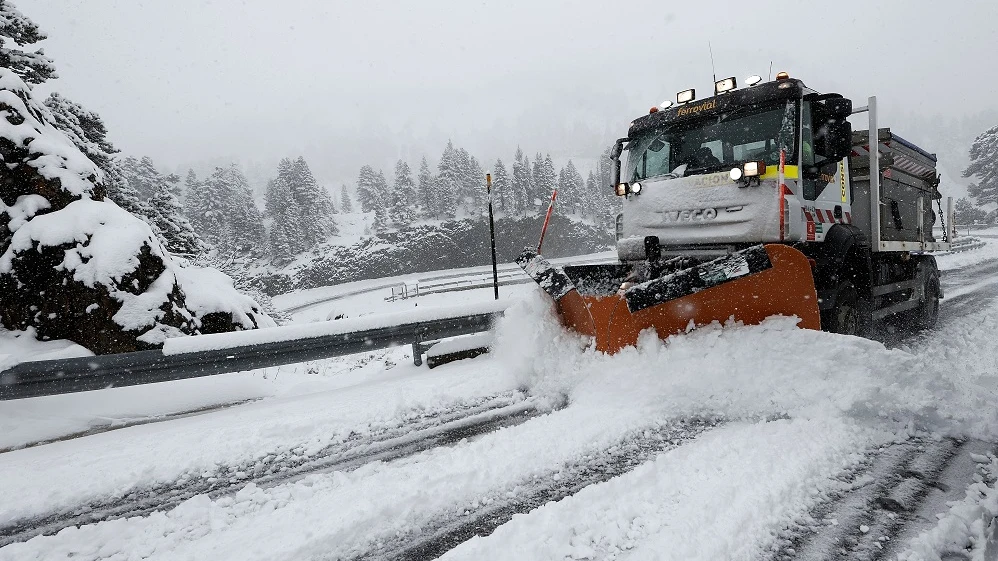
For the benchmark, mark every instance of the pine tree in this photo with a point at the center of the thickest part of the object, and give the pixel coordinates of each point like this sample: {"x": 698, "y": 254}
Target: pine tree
{"x": 502, "y": 193}
{"x": 521, "y": 184}
{"x": 545, "y": 177}
{"x": 368, "y": 190}
{"x": 286, "y": 235}
{"x": 965, "y": 212}
{"x": 31, "y": 66}
{"x": 175, "y": 230}
{"x": 449, "y": 181}
{"x": 87, "y": 131}
{"x": 403, "y": 192}
{"x": 246, "y": 228}
{"x": 231, "y": 221}
{"x": 594, "y": 199}
{"x": 314, "y": 204}
{"x": 984, "y": 166}
{"x": 381, "y": 210}
{"x": 160, "y": 207}
{"x": 427, "y": 191}
{"x": 571, "y": 190}
{"x": 345, "y": 204}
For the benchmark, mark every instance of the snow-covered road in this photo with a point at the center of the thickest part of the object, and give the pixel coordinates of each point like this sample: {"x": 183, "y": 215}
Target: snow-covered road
{"x": 733, "y": 443}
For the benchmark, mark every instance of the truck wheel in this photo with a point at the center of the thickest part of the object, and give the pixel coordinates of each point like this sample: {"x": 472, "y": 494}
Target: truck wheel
{"x": 928, "y": 313}
{"x": 847, "y": 316}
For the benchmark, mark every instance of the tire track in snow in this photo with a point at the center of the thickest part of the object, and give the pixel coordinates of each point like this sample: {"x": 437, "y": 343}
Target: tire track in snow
{"x": 565, "y": 481}
{"x": 881, "y": 502}
{"x": 407, "y": 438}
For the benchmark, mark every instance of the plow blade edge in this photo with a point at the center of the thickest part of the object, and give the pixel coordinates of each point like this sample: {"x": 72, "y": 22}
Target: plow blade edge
{"x": 748, "y": 286}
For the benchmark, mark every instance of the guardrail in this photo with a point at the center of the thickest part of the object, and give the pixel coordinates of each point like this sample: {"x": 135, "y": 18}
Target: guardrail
{"x": 50, "y": 377}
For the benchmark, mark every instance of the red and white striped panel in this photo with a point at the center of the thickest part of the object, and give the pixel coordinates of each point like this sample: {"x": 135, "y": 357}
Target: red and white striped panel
{"x": 901, "y": 161}
{"x": 825, "y": 216}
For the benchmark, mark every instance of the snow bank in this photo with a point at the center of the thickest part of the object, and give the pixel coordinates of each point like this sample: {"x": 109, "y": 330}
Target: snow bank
{"x": 24, "y": 346}
{"x": 968, "y": 258}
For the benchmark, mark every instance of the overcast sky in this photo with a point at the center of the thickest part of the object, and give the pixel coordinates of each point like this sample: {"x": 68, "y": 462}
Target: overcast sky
{"x": 366, "y": 81}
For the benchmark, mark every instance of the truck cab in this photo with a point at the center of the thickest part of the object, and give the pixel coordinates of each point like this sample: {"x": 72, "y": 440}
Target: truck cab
{"x": 758, "y": 165}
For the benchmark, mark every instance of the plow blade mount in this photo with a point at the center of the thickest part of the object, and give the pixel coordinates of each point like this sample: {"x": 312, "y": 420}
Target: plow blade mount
{"x": 749, "y": 286}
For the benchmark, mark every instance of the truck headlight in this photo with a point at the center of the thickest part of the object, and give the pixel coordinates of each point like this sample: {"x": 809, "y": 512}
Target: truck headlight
{"x": 736, "y": 174}
{"x": 621, "y": 189}
{"x": 635, "y": 188}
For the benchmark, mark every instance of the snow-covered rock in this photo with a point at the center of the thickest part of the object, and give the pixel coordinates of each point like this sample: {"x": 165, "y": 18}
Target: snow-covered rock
{"x": 74, "y": 265}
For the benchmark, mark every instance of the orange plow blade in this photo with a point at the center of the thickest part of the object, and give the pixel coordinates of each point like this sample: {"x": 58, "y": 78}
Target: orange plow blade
{"x": 748, "y": 286}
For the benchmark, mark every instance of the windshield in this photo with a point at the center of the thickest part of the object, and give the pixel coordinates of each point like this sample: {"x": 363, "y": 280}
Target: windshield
{"x": 715, "y": 143}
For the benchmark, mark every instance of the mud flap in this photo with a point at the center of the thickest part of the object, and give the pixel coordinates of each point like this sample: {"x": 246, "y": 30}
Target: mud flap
{"x": 747, "y": 286}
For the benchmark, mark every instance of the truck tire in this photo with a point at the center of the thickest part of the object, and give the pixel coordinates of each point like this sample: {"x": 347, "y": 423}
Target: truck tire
{"x": 848, "y": 315}
{"x": 927, "y": 314}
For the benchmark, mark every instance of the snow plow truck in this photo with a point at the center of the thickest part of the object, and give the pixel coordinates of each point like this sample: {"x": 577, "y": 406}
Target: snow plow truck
{"x": 759, "y": 201}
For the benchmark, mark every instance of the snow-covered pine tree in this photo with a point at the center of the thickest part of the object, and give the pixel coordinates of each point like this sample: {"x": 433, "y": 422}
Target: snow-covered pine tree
{"x": 381, "y": 210}
{"x": 286, "y": 236}
{"x": 449, "y": 181}
{"x": 157, "y": 199}
{"x": 545, "y": 178}
{"x": 87, "y": 131}
{"x": 31, "y": 66}
{"x": 142, "y": 176}
{"x": 571, "y": 190}
{"x": 984, "y": 166}
{"x": 314, "y": 204}
{"x": 502, "y": 191}
{"x": 246, "y": 221}
{"x": 368, "y": 191}
{"x": 521, "y": 184}
{"x": 427, "y": 191}
{"x": 966, "y": 212}
{"x": 346, "y": 205}
{"x": 85, "y": 128}
{"x": 594, "y": 199}
{"x": 403, "y": 192}
{"x": 175, "y": 230}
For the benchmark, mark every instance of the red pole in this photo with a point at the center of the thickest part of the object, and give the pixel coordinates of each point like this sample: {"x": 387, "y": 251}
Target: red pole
{"x": 547, "y": 217}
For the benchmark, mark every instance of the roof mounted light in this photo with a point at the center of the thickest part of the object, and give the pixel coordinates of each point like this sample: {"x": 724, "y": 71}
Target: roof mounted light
{"x": 686, "y": 96}
{"x": 666, "y": 104}
{"x": 654, "y": 109}
{"x": 753, "y": 79}
{"x": 782, "y": 76}
{"x": 724, "y": 85}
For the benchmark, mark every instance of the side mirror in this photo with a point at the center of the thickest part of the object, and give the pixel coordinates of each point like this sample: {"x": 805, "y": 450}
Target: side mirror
{"x": 615, "y": 152}
{"x": 839, "y": 107}
{"x": 839, "y": 139}
{"x": 833, "y": 140}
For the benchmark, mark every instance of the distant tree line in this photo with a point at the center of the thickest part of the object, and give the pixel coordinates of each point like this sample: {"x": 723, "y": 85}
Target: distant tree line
{"x": 456, "y": 189}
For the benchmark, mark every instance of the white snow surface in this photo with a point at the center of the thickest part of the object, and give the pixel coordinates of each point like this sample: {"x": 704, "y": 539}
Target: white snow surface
{"x": 799, "y": 407}
{"x": 24, "y": 346}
